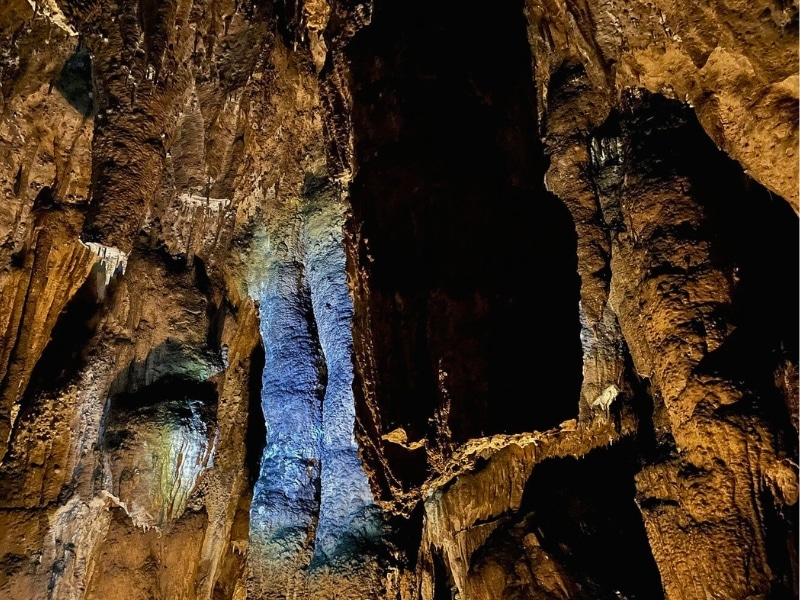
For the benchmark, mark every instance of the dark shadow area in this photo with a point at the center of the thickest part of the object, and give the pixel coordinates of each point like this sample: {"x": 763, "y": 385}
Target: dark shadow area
{"x": 781, "y": 541}
{"x": 75, "y": 81}
{"x": 44, "y": 199}
{"x": 471, "y": 264}
{"x": 169, "y": 361}
{"x": 217, "y": 307}
{"x": 583, "y": 514}
{"x": 443, "y": 584}
{"x": 410, "y": 467}
{"x": 256, "y": 438}
{"x": 405, "y": 534}
{"x": 174, "y": 263}
{"x": 65, "y": 354}
{"x": 183, "y": 397}
{"x": 755, "y": 235}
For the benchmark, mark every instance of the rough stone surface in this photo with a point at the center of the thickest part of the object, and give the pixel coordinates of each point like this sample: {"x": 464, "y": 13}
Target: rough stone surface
{"x": 403, "y": 300}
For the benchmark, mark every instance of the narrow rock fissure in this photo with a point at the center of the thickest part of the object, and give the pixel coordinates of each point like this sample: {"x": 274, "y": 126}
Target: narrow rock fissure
{"x": 256, "y": 437}
{"x": 443, "y": 584}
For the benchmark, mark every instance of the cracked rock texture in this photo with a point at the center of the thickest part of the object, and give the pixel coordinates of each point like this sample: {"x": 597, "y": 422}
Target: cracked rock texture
{"x": 404, "y": 300}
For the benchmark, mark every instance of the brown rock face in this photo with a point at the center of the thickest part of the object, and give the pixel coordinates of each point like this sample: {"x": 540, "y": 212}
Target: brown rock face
{"x": 404, "y": 300}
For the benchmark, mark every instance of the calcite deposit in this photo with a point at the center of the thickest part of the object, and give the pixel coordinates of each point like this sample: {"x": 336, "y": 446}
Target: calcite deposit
{"x": 399, "y": 300}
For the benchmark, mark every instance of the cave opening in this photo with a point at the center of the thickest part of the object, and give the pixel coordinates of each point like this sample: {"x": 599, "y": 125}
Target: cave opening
{"x": 584, "y": 515}
{"x": 472, "y": 269}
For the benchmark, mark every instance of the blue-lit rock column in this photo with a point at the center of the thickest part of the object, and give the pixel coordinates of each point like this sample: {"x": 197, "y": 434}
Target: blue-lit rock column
{"x": 348, "y": 523}
{"x": 286, "y": 497}
{"x": 314, "y": 527}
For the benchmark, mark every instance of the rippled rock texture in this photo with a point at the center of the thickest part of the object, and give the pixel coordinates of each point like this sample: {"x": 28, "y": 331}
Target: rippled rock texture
{"x": 403, "y": 300}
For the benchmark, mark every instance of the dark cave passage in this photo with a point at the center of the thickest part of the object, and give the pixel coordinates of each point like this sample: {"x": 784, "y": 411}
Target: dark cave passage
{"x": 443, "y": 584}
{"x": 472, "y": 265}
{"x": 256, "y": 437}
{"x": 583, "y": 513}
{"x": 578, "y": 534}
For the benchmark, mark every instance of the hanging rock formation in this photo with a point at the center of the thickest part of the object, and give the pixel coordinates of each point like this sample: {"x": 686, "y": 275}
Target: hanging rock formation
{"x": 398, "y": 300}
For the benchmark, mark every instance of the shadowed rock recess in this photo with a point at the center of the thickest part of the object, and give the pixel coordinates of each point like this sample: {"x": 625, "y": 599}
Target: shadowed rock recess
{"x": 399, "y": 300}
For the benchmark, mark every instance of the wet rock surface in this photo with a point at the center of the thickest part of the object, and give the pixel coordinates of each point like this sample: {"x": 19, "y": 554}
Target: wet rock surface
{"x": 403, "y": 300}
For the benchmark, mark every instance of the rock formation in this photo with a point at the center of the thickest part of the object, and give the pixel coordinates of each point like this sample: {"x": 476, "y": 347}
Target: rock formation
{"x": 398, "y": 300}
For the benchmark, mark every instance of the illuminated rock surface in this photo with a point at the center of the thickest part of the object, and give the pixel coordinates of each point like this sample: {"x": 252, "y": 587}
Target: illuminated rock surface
{"x": 401, "y": 300}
